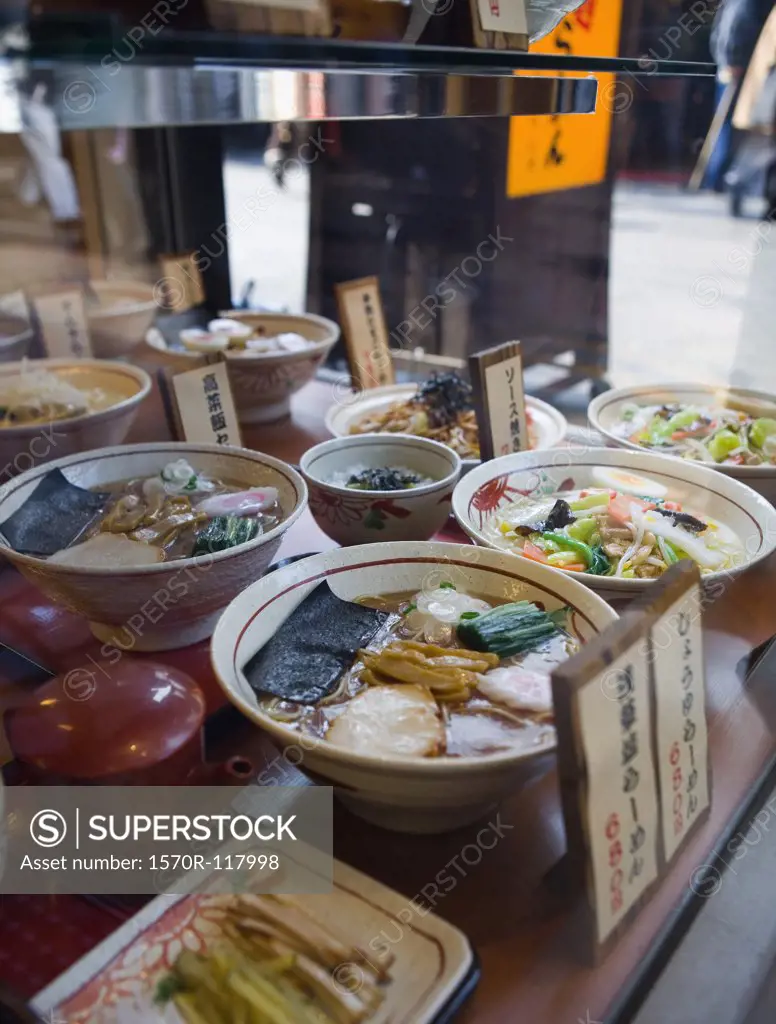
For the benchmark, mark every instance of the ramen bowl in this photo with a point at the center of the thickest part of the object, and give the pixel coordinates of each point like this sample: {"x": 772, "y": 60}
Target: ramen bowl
{"x": 548, "y": 426}
{"x": 167, "y": 604}
{"x": 119, "y": 315}
{"x": 406, "y": 794}
{"x": 532, "y": 476}
{"x": 351, "y": 516}
{"x": 263, "y": 383}
{"x": 23, "y": 447}
{"x": 605, "y": 413}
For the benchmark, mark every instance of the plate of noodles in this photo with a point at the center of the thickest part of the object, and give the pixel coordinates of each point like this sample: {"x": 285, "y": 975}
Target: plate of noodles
{"x": 616, "y": 520}
{"x": 440, "y": 408}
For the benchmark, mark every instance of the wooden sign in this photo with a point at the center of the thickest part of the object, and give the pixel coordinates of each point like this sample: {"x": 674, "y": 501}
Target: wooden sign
{"x": 365, "y": 333}
{"x": 633, "y": 752}
{"x": 500, "y": 24}
{"x": 499, "y": 400}
{"x": 64, "y": 327}
{"x": 199, "y": 403}
{"x": 15, "y": 304}
{"x": 181, "y": 282}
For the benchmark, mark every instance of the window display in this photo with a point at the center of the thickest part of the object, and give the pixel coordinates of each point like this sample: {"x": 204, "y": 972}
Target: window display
{"x": 387, "y": 418}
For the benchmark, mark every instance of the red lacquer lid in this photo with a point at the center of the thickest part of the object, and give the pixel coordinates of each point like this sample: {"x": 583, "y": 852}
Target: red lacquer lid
{"x": 106, "y": 720}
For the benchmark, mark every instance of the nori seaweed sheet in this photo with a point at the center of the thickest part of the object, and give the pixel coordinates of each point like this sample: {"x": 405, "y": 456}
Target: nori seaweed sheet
{"x": 53, "y": 517}
{"x": 304, "y": 660}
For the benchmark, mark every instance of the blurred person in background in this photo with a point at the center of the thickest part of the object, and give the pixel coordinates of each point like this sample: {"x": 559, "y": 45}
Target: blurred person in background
{"x": 737, "y": 27}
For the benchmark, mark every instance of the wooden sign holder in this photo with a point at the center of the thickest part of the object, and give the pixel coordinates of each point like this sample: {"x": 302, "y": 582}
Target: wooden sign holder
{"x": 172, "y": 411}
{"x": 366, "y": 335}
{"x": 181, "y": 282}
{"x": 479, "y": 364}
{"x": 575, "y": 871}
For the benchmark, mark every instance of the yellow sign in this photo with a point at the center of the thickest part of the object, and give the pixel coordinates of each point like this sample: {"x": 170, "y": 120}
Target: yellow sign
{"x": 566, "y": 151}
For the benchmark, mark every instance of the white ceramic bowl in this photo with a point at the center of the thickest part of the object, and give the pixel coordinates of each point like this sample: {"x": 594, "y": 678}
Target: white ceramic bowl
{"x": 262, "y": 385}
{"x": 604, "y": 413}
{"x": 169, "y": 604}
{"x": 405, "y": 794}
{"x": 21, "y": 448}
{"x": 361, "y": 517}
{"x": 120, "y": 322}
{"x": 549, "y": 425}
{"x": 535, "y": 474}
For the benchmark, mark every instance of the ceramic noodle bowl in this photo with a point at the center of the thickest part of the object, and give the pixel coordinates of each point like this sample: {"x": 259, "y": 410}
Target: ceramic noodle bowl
{"x": 605, "y": 414}
{"x": 166, "y": 604}
{"x": 119, "y": 314}
{"x": 548, "y": 427}
{"x": 529, "y": 479}
{"x": 263, "y": 383}
{"x": 23, "y": 447}
{"x": 404, "y": 793}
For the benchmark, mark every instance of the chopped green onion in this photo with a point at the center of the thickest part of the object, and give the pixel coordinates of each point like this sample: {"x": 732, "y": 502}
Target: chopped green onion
{"x": 447, "y": 586}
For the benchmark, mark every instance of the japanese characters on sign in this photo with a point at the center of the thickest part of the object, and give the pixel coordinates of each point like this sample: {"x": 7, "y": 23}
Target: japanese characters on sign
{"x": 682, "y": 739}
{"x": 503, "y": 16}
{"x": 622, "y": 800}
{"x": 366, "y": 336}
{"x": 633, "y": 749}
{"x": 204, "y": 407}
{"x": 64, "y": 326}
{"x": 497, "y": 378}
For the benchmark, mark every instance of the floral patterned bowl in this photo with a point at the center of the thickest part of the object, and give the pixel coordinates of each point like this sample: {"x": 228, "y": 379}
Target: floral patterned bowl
{"x": 262, "y": 384}
{"x": 532, "y": 475}
{"x": 351, "y": 516}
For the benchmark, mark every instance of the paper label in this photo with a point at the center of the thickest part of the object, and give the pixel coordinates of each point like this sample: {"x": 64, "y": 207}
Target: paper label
{"x": 621, "y": 800}
{"x": 506, "y": 406}
{"x": 682, "y": 734}
{"x": 205, "y": 405}
{"x": 503, "y": 16}
{"x": 15, "y": 304}
{"x": 63, "y": 325}
{"x": 366, "y": 336}
{"x": 180, "y": 287}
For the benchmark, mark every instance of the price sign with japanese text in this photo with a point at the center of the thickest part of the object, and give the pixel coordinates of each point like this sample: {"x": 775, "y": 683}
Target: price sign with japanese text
{"x": 499, "y": 400}
{"x": 682, "y": 737}
{"x": 200, "y": 404}
{"x": 365, "y": 333}
{"x": 64, "y": 327}
{"x": 633, "y": 752}
{"x": 503, "y": 16}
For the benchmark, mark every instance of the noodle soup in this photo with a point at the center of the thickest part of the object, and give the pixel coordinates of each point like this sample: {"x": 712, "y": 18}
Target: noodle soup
{"x": 446, "y": 674}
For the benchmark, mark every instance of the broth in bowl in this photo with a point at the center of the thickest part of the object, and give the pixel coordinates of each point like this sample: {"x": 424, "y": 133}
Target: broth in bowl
{"x": 174, "y": 514}
{"x": 439, "y": 673}
{"x": 423, "y": 718}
